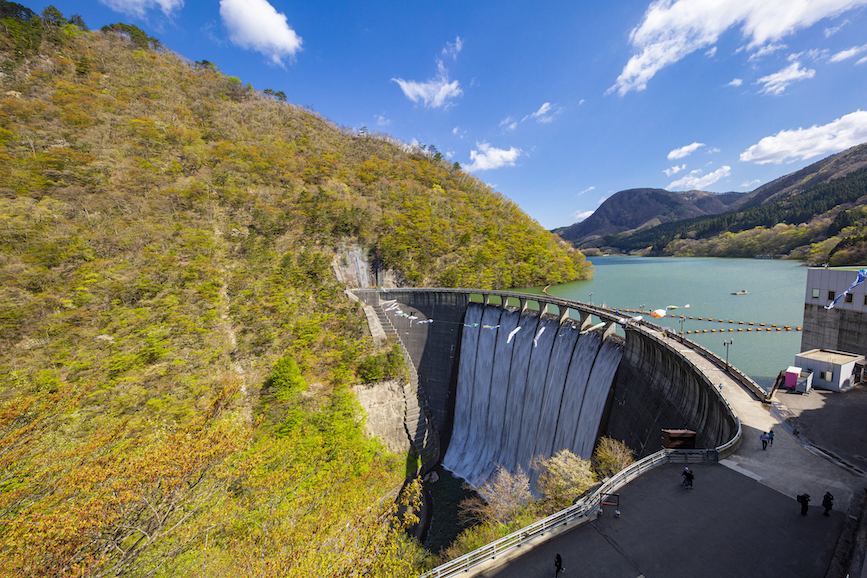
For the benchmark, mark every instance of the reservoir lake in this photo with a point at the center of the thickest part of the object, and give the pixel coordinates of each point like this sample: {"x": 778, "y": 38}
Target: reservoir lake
{"x": 775, "y": 296}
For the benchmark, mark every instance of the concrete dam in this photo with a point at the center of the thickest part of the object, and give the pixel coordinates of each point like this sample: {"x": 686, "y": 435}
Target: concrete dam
{"x": 504, "y": 376}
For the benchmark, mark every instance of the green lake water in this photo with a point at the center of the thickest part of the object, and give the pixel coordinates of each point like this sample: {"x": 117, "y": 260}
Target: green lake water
{"x": 775, "y": 297}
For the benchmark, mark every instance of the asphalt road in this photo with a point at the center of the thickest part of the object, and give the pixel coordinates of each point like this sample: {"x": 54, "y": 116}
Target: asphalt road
{"x": 729, "y": 525}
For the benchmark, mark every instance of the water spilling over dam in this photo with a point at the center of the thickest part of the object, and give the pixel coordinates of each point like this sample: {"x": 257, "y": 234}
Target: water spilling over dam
{"x": 527, "y": 385}
{"x": 553, "y": 385}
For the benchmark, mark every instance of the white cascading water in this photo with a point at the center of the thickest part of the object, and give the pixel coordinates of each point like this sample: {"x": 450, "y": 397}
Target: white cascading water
{"x": 525, "y": 392}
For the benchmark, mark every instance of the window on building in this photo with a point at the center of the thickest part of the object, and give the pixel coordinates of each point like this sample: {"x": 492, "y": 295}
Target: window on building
{"x": 848, "y": 298}
{"x": 816, "y": 295}
{"x": 831, "y": 295}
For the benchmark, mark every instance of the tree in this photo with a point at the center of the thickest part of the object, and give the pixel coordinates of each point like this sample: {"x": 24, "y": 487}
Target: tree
{"x": 611, "y": 456}
{"x": 502, "y": 497}
{"x": 78, "y": 21}
{"x": 562, "y": 478}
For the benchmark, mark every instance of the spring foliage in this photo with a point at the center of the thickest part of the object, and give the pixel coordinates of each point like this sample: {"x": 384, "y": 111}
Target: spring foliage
{"x": 176, "y": 351}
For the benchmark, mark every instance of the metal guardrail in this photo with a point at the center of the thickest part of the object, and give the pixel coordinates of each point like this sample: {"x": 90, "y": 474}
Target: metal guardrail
{"x": 581, "y": 511}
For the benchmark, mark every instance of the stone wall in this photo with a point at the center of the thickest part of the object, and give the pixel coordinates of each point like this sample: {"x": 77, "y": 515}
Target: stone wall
{"x": 384, "y": 405}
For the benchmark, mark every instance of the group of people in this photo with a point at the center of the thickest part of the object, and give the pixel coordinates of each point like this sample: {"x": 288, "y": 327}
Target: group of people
{"x": 827, "y": 503}
{"x": 767, "y": 438}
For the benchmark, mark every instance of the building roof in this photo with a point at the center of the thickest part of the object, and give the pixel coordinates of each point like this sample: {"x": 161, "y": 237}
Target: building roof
{"x": 830, "y": 356}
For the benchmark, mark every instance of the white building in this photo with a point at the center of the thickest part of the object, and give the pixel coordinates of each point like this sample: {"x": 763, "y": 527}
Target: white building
{"x": 833, "y": 370}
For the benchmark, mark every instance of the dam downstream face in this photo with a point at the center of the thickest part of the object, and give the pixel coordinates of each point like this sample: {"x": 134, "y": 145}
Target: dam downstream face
{"x": 526, "y": 386}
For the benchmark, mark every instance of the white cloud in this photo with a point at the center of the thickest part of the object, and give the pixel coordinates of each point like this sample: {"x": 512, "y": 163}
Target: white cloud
{"x": 765, "y": 50}
{"x": 844, "y": 54}
{"x": 450, "y": 154}
{"x": 140, "y": 7}
{"x": 802, "y": 144}
{"x": 672, "y": 29}
{"x": 587, "y": 190}
{"x": 696, "y": 180}
{"x": 488, "y": 157}
{"x": 509, "y": 123}
{"x": 256, "y": 25}
{"x": 674, "y": 170}
{"x": 711, "y": 53}
{"x": 713, "y": 150}
{"x": 436, "y": 92}
{"x": 684, "y": 151}
{"x": 582, "y": 101}
{"x": 750, "y": 184}
{"x": 778, "y": 82}
{"x": 453, "y": 49}
{"x": 545, "y": 114}
{"x": 382, "y": 121}
{"x": 862, "y": 61}
{"x": 829, "y": 32}
{"x": 581, "y": 215}
{"x": 735, "y": 82}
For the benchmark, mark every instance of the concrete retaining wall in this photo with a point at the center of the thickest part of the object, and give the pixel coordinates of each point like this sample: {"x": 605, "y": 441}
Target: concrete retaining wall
{"x": 839, "y": 329}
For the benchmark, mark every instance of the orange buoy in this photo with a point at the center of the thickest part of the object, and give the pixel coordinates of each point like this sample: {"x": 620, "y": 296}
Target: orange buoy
{"x": 751, "y": 323}
{"x": 761, "y": 324}
{"x": 778, "y": 329}
{"x": 749, "y": 328}
{"x": 740, "y": 322}
{"x": 740, "y": 328}
{"x": 700, "y": 319}
{"x": 730, "y": 321}
{"x": 713, "y": 330}
{"x": 705, "y": 331}
{"x": 690, "y": 317}
{"x": 773, "y": 325}
{"x": 797, "y": 328}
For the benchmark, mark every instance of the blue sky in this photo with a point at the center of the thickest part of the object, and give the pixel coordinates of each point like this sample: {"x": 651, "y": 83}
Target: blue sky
{"x": 557, "y": 105}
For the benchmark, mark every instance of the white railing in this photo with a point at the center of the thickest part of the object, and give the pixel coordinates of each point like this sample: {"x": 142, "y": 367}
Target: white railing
{"x": 581, "y": 511}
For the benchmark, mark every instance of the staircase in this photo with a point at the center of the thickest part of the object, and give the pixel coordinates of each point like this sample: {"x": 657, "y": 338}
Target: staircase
{"x": 418, "y": 419}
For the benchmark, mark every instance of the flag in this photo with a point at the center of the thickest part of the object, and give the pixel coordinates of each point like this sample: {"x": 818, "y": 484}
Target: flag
{"x": 862, "y": 276}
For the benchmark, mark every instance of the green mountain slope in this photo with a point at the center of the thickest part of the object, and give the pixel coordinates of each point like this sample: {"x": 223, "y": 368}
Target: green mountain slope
{"x": 634, "y": 209}
{"x": 818, "y": 214}
{"x": 176, "y": 351}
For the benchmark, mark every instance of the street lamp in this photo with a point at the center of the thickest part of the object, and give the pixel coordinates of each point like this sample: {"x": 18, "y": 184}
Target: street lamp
{"x": 682, "y": 319}
{"x": 591, "y": 298}
{"x": 726, "y": 343}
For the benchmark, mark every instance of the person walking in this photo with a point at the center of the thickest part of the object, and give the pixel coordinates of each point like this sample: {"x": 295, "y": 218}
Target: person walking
{"x": 558, "y": 565}
{"x": 771, "y": 437}
{"x": 764, "y": 437}
{"x": 827, "y": 503}
{"x": 804, "y": 500}
{"x": 688, "y": 476}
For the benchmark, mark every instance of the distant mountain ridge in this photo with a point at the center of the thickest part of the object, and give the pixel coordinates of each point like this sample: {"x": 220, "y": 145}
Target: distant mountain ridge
{"x": 631, "y": 217}
{"x": 636, "y": 209}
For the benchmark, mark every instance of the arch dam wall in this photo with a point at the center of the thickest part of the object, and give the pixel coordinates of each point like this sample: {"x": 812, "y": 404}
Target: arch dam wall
{"x": 655, "y": 387}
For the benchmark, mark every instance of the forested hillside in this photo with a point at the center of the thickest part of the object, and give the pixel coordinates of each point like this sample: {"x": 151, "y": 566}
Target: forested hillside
{"x": 821, "y": 219}
{"x": 634, "y": 209}
{"x": 176, "y": 352}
